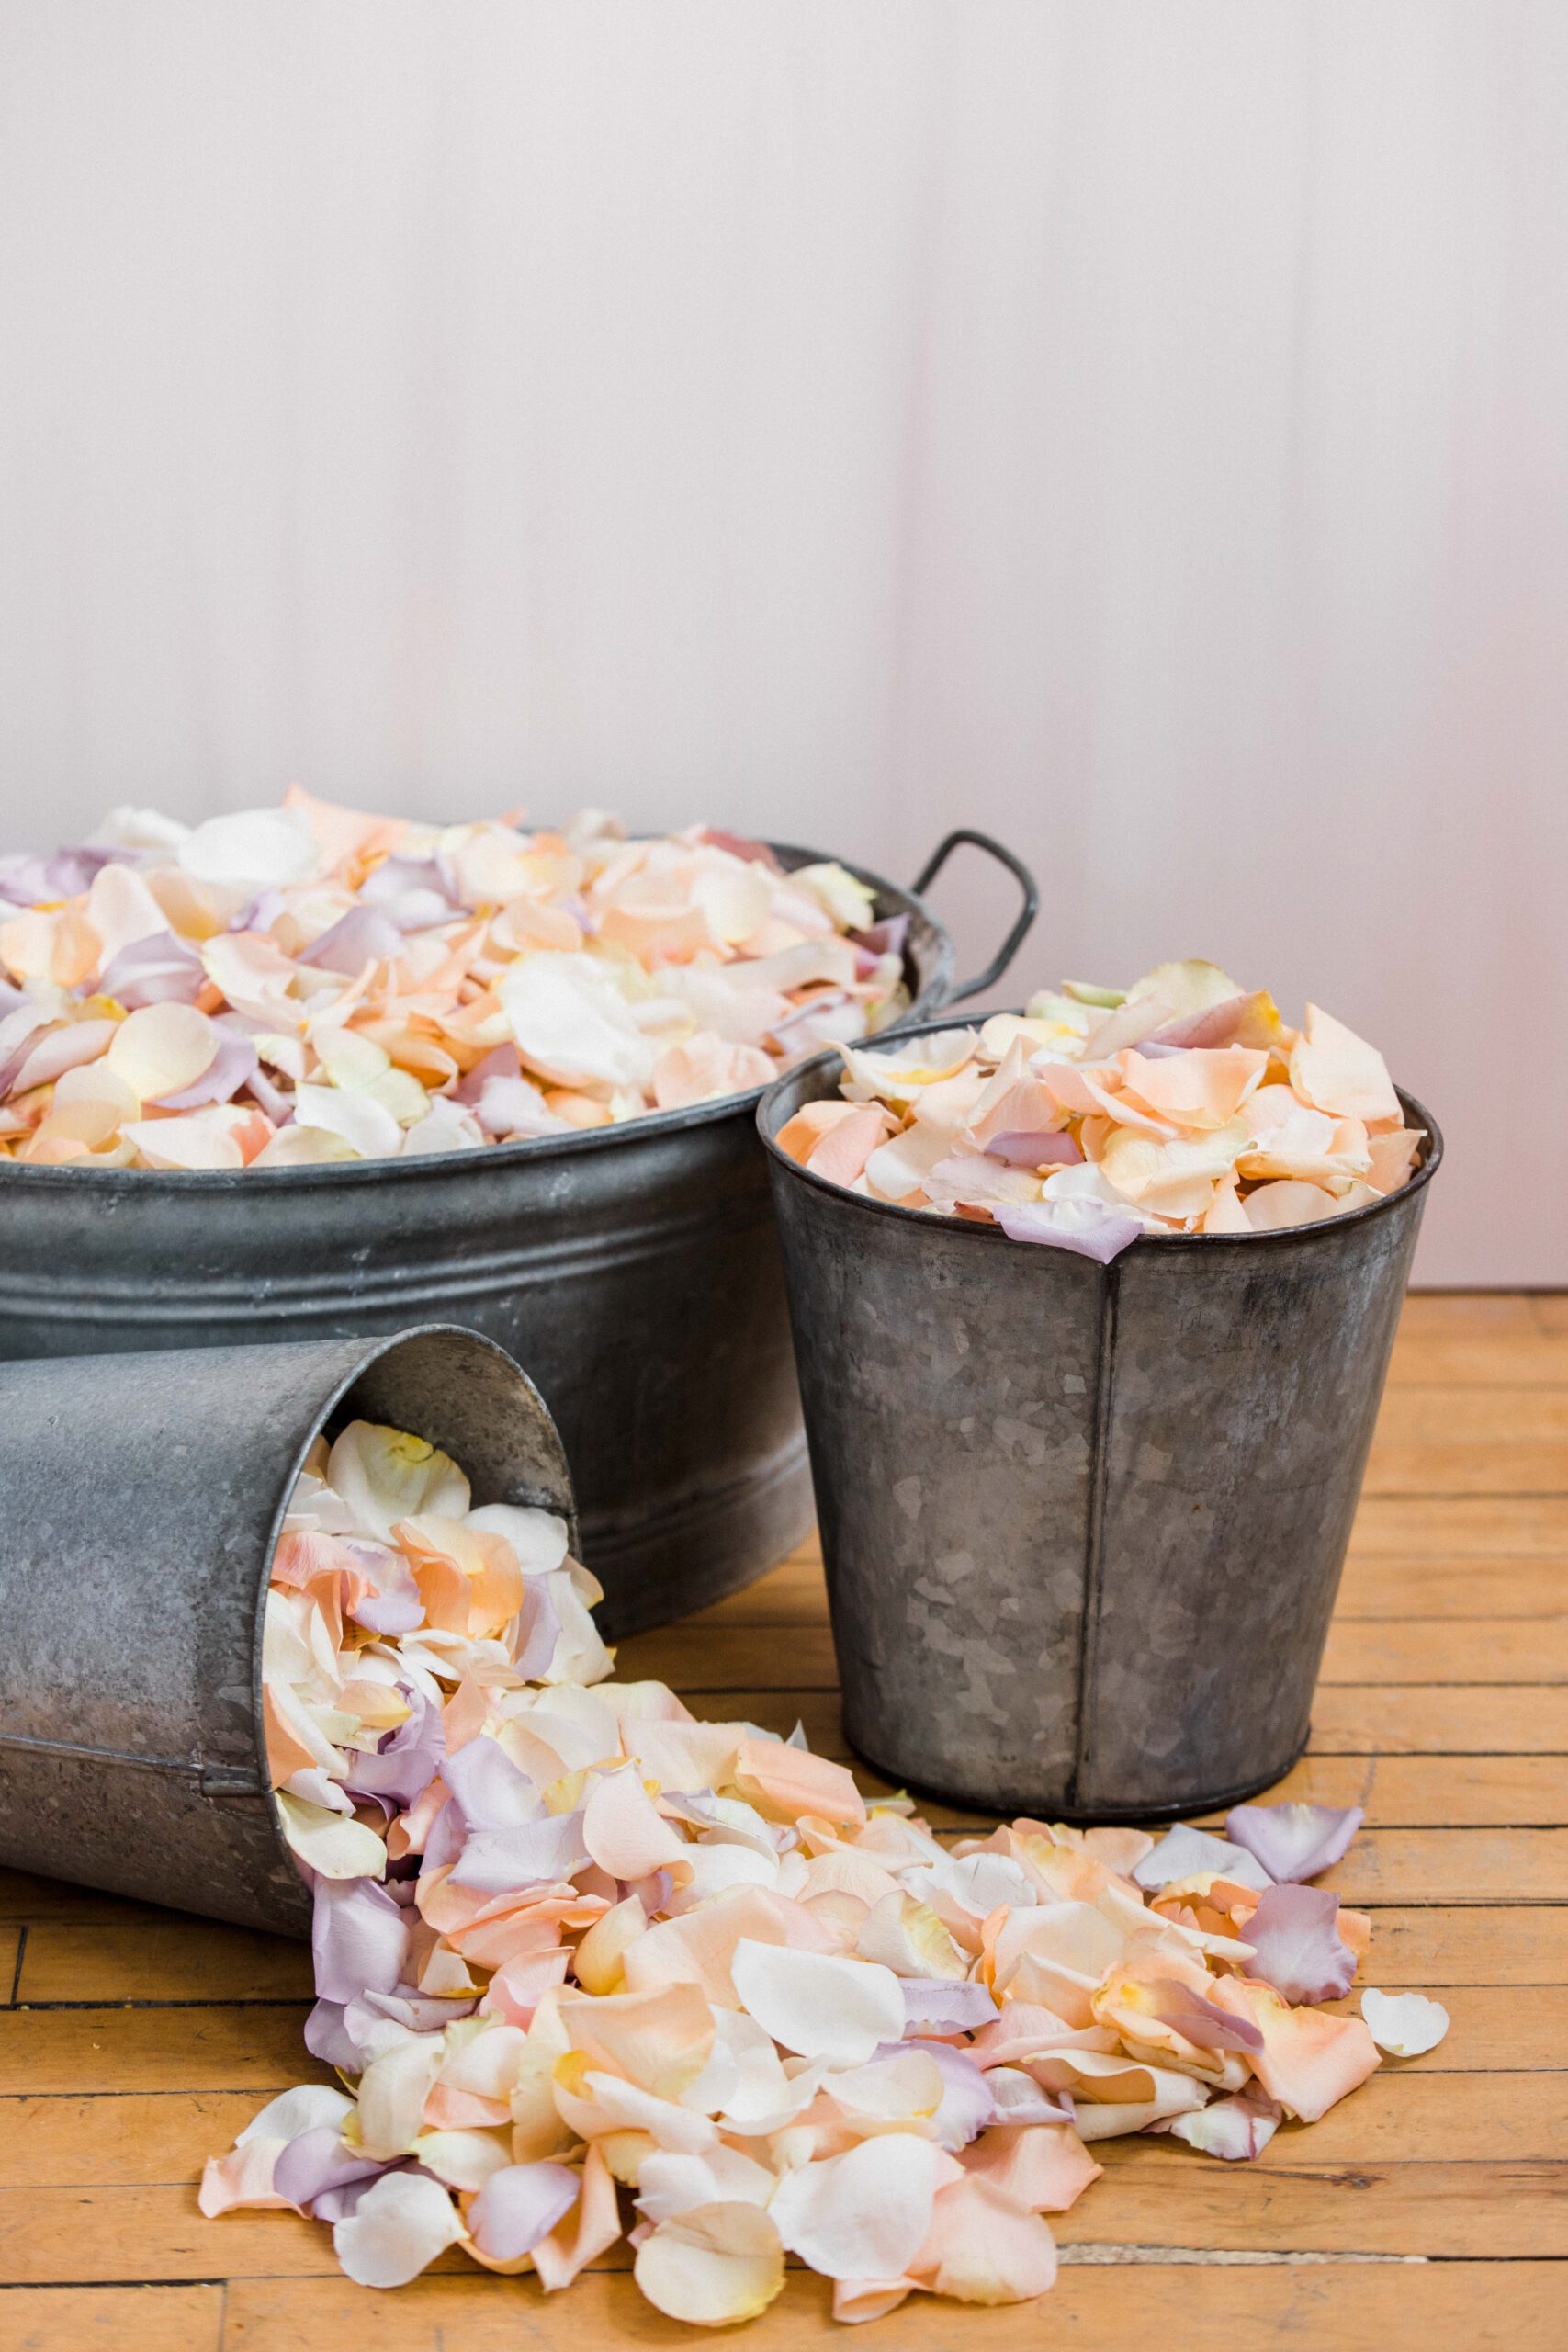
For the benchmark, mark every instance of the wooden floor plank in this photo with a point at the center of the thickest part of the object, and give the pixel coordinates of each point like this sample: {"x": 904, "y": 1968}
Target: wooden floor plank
{"x": 1471, "y": 1442}
{"x": 1482, "y": 1359}
{"x": 1354, "y": 2307}
{"x": 1455, "y": 1719}
{"x": 1447, "y": 1650}
{"x": 1155, "y": 2197}
{"x": 1404, "y": 2112}
{"x": 1160, "y": 2195}
{"x": 167, "y": 1959}
{"x": 135, "y": 2140}
{"x": 254, "y": 2046}
{"x": 1454, "y": 1866}
{"x": 1428, "y": 1946}
{"x": 119, "y": 2319}
{"x": 1526, "y": 1525}
{"x": 1422, "y": 1791}
{"x": 26, "y": 1897}
{"x": 1386, "y": 1585}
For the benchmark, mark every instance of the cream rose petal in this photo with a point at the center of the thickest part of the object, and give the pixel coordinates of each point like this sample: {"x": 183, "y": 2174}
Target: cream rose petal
{"x": 819, "y": 2005}
{"x": 384, "y": 1475}
{"x": 864, "y": 2214}
{"x": 1405, "y": 2024}
{"x": 400, "y": 2224}
{"x": 712, "y": 2266}
{"x": 162, "y": 1049}
{"x": 330, "y": 1842}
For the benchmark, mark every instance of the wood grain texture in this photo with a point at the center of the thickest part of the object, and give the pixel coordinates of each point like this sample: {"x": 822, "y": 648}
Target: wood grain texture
{"x": 143, "y": 2041}
{"x": 80, "y": 2319}
{"x": 1353, "y": 2307}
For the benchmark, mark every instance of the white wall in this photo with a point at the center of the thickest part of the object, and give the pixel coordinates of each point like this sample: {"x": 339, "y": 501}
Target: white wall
{"x": 1139, "y": 429}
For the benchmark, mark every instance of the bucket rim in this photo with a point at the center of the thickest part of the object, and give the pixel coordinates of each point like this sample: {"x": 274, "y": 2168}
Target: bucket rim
{"x": 375, "y": 1351}
{"x": 769, "y": 1120}
{"x": 531, "y": 1151}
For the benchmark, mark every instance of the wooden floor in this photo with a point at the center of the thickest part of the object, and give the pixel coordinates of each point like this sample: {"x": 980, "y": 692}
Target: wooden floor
{"x": 1430, "y": 2209}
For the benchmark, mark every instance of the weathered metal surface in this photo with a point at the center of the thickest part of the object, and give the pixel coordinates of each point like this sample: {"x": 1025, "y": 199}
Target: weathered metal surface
{"x": 634, "y": 1270}
{"x": 1083, "y": 1525}
{"x": 143, "y": 1500}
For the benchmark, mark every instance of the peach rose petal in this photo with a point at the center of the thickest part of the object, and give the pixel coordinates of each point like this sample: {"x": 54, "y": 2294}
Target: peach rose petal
{"x": 864, "y": 2214}
{"x": 983, "y": 2247}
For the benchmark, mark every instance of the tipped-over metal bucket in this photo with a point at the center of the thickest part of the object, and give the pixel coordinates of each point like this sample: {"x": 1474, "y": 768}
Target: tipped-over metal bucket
{"x": 633, "y": 1269}
{"x": 142, "y": 1497}
{"x": 1083, "y": 1525}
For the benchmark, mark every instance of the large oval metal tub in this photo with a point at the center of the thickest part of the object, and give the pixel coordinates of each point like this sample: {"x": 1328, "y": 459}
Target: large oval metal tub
{"x": 142, "y": 1501}
{"x": 635, "y": 1270}
{"x": 1083, "y": 1524}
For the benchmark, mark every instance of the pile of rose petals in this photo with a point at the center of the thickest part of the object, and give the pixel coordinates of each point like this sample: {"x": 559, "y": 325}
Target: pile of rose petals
{"x": 1183, "y": 1106}
{"x": 589, "y": 1964}
{"x": 303, "y": 984}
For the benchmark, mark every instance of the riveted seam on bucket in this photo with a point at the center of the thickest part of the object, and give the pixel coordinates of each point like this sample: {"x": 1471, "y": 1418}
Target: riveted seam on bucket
{"x": 213, "y": 1780}
{"x": 1094, "y": 1533}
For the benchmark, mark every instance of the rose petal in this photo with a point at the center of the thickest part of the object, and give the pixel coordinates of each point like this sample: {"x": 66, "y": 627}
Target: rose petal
{"x": 712, "y": 2266}
{"x": 398, "y": 2227}
{"x": 1405, "y": 2024}
{"x": 1296, "y": 1944}
{"x": 1294, "y": 1841}
{"x": 518, "y": 2206}
{"x": 864, "y": 2214}
{"x": 1184, "y": 1852}
{"x": 820, "y": 2006}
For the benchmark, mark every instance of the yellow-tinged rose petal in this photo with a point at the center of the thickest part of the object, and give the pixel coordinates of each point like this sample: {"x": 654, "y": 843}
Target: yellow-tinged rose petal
{"x": 384, "y": 1475}
{"x": 163, "y": 1049}
{"x": 331, "y": 1843}
{"x": 714, "y": 2266}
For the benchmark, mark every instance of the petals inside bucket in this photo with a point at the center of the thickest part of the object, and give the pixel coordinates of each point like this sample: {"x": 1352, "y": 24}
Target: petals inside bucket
{"x": 593, "y": 1967}
{"x": 286, "y": 988}
{"x": 1184, "y": 1106}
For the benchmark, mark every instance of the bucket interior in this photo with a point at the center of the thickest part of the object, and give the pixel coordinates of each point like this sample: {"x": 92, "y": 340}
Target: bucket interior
{"x": 462, "y": 1393}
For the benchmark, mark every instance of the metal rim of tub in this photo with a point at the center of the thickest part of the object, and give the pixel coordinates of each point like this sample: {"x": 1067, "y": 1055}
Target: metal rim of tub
{"x": 936, "y": 988}
{"x": 772, "y": 1113}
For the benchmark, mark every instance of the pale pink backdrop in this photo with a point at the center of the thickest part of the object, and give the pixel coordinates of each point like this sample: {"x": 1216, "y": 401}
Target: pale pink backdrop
{"x": 1137, "y": 429}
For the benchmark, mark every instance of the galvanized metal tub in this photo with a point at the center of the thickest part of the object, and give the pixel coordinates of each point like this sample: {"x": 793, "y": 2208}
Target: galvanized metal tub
{"x": 143, "y": 1496}
{"x": 1083, "y": 1525}
{"x": 635, "y": 1270}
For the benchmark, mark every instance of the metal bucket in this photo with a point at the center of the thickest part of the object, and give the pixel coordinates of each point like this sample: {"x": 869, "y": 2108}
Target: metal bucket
{"x": 1083, "y": 1525}
{"x": 143, "y": 1500}
{"x": 634, "y": 1270}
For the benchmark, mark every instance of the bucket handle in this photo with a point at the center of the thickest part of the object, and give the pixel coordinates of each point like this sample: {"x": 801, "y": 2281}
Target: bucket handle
{"x": 1026, "y": 914}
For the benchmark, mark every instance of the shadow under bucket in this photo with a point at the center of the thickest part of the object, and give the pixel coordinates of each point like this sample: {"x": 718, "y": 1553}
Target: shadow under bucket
{"x": 143, "y": 1497}
{"x": 1083, "y": 1525}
